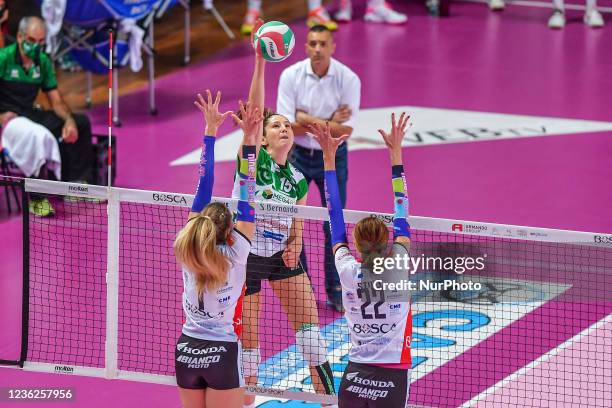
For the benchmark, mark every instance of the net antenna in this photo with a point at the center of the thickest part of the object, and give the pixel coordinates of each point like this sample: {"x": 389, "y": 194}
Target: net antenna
{"x": 109, "y": 163}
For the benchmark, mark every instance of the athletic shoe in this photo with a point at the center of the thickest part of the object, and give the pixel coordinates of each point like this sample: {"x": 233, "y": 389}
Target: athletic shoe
{"x": 384, "y": 14}
{"x": 593, "y": 19}
{"x": 557, "y": 20}
{"x": 249, "y": 21}
{"x": 41, "y": 207}
{"x": 320, "y": 16}
{"x": 497, "y": 5}
{"x": 345, "y": 12}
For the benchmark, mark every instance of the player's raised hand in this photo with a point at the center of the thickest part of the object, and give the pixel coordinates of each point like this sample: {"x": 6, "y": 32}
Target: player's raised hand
{"x": 249, "y": 121}
{"x": 212, "y": 118}
{"x": 258, "y": 23}
{"x": 328, "y": 144}
{"x": 396, "y": 135}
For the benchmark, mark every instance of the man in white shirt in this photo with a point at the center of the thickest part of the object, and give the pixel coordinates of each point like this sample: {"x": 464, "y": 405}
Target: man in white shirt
{"x": 316, "y": 90}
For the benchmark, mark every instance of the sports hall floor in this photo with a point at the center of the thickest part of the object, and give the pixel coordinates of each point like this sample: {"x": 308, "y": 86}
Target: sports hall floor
{"x": 524, "y": 111}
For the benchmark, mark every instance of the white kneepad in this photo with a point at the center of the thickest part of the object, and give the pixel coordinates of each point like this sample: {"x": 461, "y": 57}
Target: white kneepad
{"x": 250, "y": 361}
{"x": 312, "y": 345}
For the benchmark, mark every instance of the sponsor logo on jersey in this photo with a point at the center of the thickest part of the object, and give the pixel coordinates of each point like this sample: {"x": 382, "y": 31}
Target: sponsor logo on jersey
{"x": 278, "y": 208}
{"x": 225, "y": 289}
{"x": 395, "y": 306}
{"x": 184, "y": 348}
{"x": 354, "y": 377}
{"x": 364, "y": 390}
{"x": 373, "y": 328}
{"x": 368, "y": 393}
{"x": 224, "y": 299}
{"x": 267, "y": 194}
{"x": 350, "y": 295}
{"x": 273, "y": 235}
{"x": 198, "y": 362}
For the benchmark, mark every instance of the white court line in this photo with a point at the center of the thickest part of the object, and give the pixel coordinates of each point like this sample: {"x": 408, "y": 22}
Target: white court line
{"x": 540, "y": 360}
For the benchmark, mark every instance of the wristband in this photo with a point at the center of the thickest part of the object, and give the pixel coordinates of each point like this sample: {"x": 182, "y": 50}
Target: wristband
{"x": 246, "y": 173}
{"x": 401, "y": 228}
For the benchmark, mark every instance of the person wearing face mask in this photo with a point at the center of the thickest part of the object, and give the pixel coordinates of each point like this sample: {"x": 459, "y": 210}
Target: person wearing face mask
{"x": 25, "y": 70}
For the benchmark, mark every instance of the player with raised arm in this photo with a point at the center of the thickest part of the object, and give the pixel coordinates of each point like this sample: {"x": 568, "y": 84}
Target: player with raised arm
{"x": 277, "y": 244}
{"x": 213, "y": 253}
{"x": 378, "y": 372}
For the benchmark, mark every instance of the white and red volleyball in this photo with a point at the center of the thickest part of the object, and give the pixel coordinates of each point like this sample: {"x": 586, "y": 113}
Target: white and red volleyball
{"x": 275, "y": 40}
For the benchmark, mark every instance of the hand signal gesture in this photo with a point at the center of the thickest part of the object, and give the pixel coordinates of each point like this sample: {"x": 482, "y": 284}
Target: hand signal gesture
{"x": 212, "y": 118}
{"x": 328, "y": 144}
{"x": 249, "y": 120}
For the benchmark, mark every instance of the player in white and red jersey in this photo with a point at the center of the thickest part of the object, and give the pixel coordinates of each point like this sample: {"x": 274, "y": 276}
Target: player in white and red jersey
{"x": 213, "y": 253}
{"x": 378, "y": 373}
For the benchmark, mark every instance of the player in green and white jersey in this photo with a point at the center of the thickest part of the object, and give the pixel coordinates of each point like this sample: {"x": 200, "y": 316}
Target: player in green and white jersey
{"x": 276, "y": 248}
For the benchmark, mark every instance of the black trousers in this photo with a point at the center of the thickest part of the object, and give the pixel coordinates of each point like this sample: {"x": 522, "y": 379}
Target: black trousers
{"x": 77, "y": 158}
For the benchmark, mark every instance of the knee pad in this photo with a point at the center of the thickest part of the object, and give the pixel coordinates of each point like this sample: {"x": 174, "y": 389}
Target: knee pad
{"x": 250, "y": 361}
{"x": 311, "y": 344}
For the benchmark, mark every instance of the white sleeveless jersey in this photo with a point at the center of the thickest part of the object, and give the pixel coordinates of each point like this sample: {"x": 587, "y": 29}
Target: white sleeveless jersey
{"x": 274, "y": 184}
{"x": 380, "y": 331}
{"x": 218, "y": 315}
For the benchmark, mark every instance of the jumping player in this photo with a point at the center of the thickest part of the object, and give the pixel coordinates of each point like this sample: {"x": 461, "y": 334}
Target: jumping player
{"x": 378, "y": 372}
{"x": 213, "y": 252}
{"x": 277, "y": 246}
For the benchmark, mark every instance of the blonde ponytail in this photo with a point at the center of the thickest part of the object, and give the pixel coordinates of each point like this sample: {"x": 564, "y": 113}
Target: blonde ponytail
{"x": 195, "y": 247}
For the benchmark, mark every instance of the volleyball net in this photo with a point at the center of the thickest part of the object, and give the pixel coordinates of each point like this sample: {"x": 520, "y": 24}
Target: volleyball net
{"x": 102, "y": 297}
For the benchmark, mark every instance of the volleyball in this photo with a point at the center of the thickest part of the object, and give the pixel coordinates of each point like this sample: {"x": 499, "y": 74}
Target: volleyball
{"x": 275, "y": 40}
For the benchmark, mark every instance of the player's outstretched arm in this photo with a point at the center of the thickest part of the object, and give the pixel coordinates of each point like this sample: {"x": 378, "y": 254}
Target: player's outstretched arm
{"x": 329, "y": 145}
{"x": 206, "y": 169}
{"x": 249, "y": 121}
{"x": 393, "y": 140}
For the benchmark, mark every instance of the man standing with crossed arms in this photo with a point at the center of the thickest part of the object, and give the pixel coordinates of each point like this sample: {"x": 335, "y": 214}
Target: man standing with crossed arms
{"x": 314, "y": 90}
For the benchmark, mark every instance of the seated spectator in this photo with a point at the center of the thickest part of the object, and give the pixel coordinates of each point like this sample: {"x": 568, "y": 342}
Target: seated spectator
{"x": 24, "y": 70}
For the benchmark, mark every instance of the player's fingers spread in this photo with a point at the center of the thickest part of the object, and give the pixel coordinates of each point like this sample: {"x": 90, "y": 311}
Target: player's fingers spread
{"x": 218, "y": 98}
